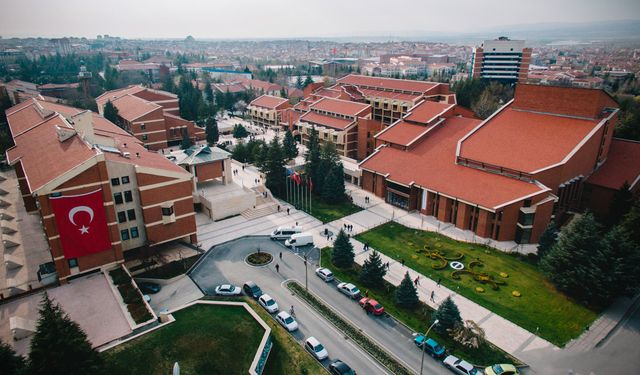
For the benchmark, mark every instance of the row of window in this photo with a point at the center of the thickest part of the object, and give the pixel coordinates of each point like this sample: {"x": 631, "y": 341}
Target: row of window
{"x": 131, "y": 233}
{"x": 123, "y": 215}
{"x": 118, "y": 197}
{"x": 116, "y": 181}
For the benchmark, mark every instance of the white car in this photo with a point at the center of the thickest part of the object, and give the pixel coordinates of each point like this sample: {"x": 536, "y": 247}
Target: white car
{"x": 268, "y": 303}
{"x": 228, "y": 290}
{"x": 314, "y": 347}
{"x": 325, "y": 274}
{"x": 460, "y": 366}
{"x": 349, "y": 289}
{"x": 287, "y": 321}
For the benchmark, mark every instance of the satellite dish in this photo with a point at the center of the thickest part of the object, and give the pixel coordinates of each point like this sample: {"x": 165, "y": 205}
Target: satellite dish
{"x": 176, "y": 369}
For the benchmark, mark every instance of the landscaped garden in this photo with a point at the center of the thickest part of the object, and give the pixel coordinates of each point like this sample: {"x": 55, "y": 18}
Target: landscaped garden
{"x": 417, "y": 318}
{"x": 503, "y": 283}
{"x": 327, "y": 212}
{"x": 130, "y": 296}
{"x": 204, "y": 339}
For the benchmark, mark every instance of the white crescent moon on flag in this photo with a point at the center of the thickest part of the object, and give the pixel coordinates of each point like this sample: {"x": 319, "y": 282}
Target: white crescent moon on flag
{"x": 75, "y": 210}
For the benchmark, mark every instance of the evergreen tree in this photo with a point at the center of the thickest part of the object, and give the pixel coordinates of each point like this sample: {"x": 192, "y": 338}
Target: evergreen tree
{"x": 289, "y": 145}
{"x": 312, "y": 165}
{"x": 620, "y": 204}
{"x": 307, "y": 81}
{"x": 624, "y": 262}
{"x": 631, "y": 222}
{"x": 577, "y": 264}
{"x": 342, "y": 254}
{"x": 168, "y": 84}
{"x": 274, "y": 167}
{"x": 299, "y": 83}
{"x": 406, "y": 293}
{"x": 110, "y": 112}
{"x": 211, "y": 129}
{"x": 448, "y": 316}
{"x": 373, "y": 271}
{"x": 260, "y": 155}
{"x": 59, "y": 346}
{"x": 186, "y": 141}
{"x": 240, "y": 152}
{"x": 333, "y": 185}
{"x": 208, "y": 91}
{"x": 10, "y": 362}
{"x": 240, "y": 131}
{"x": 548, "y": 238}
{"x": 283, "y": 92}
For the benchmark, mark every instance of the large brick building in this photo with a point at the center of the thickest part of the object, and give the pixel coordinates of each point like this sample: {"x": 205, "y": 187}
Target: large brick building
{"x": 504, "y": 177}
{"x": 152, "y": 116}
{"x": 501, "y": 59}
{"x": 65, "y": 152}
{"x": 266, "y": 110}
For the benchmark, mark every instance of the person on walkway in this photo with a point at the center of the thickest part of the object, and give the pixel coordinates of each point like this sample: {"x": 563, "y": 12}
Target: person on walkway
{"x": 417, "y": 281}
{"x": 278, "y": 208}
{"x": 277, "y": 268}
{"x": 281, "y": 255}
{"x": 433, "y": 295}
{"x": 438, "y": 283}
{"x": 402, "y": 261}
{"x": 292, "y": 312}
{"x": 366, "y": 293}
{"x": 288, "y": 211}
{"x": 387, "y": 265}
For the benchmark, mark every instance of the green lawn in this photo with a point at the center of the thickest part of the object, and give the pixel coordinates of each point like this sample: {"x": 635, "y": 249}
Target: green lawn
{"x": 203, "y": 339}
{"x": 418, "y": 318}
{"x": 327, "y": 212}
{"x": 541, "y": 308}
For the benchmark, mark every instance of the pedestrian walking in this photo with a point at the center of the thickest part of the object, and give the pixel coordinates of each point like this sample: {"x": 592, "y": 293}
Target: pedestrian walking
{"x": 281, "y": 255}
{"x": 417, "y": 281}
{"x": 278, "y": 208}
{"x": 277, "y": 268}
{"x": 292, "y": 312}
{"x": 288, "y": 210}
{"x": 433, "y": 295}
{"x": 402, "y": 261}
{"x": 438, "y": 283}
{"x": 366, "y": 293}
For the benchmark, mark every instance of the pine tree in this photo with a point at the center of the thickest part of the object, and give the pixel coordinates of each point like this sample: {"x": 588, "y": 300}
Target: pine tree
{"x": 289, "y": 145}
{"x": 448, "y": 316}
{"x": 342, "y": 254}
{"x": 620, "y": 204}
{"x": 274, "y": 167}
{"x": 312, "y": 165}
{"x": 299, "y": 83}
{"x": 186, "y": 141}
{"x": 208, "y": 91}
{"x": 240, "y": 131}
{"x": 406, "y": 293}
{"x": 110, "y": 112}
{"x": 333, "y": 185}
{"x": 548, "y": 238}
{"x": 373, "y": 271}
{"x": 213, "y": 135}
{"x": 307, "y": 81}
{"x": 624, "y": 262}
{"x": 59, "y": 346}
{"x": 283, "y": 92}
{"x": 240, "y": 152}
{"x": 10, "y": 362}
{"x": 631, "y": 222}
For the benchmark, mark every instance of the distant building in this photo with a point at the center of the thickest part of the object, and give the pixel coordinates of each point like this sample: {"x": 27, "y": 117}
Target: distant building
{"x": 266, "y": 110}
{"x": 226, "y": 74}
{"x": 501, "y": 59}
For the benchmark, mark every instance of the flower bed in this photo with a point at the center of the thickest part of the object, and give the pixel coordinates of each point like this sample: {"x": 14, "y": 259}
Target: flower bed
{"x": 130, "y": 296}
{"x": 259, "y": 259}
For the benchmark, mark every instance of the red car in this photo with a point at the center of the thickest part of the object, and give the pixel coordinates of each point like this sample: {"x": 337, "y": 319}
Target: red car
{"x": 372, "y": 306}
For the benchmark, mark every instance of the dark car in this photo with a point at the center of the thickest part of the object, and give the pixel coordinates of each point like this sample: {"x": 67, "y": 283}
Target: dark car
{"x": 338, "y": 367}
{"x": 432, "y": 347}
{"x": 252, "y": 289}
{"x": 149, "y": 288}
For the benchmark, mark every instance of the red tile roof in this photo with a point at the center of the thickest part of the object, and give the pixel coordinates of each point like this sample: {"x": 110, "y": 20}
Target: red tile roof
{"x": 115, "y": 94}
{"x": 525, "y": 141}
{"x": 268, "y": 101}
{"x": 342, "y": 107}
{"x": 388, "y": 83}
{"x": 390, "y": 95}
{"x": 427, "y": 111}
{"x": 402, "y": 133}
{"x": 131, "y": 107}
{"x": 327, "y": 121}
{"x": 261, "y": 85}
{"x": 622, "y": 164}
{"x": 431, "y": 164}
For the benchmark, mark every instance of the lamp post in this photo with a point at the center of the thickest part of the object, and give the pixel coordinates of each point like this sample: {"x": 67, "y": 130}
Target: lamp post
{"x": 305, "y": 273}
{"x": 424, "y": 343}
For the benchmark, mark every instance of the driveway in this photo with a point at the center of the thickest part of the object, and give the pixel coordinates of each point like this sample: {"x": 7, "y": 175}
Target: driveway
{"x": 225, "y": 263}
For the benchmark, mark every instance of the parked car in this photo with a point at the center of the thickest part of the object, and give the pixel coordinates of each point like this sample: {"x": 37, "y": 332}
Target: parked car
{"x": 460, "y": 366}
{"x": 268, "y": 303}
{"x": 432, "y": 347}
{"x": 285, "y": 233}
{"x": 501, "y": 369}
{"x": 325, "y": 274}
{"x": 338, "y": 367}
{"x": 372, "y": 306}
{"x": 299, "y": 239}
{"x": 148, "y": 287}
{"x": 228, "y": 290}
{"x": 252, "y": 289}
{"x": 287, "y": 321}
{"x": 314, "y": 347}
{"x": 349, "y": 289}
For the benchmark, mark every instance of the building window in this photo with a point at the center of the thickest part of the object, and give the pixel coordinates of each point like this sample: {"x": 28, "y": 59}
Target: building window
{"x": 134, "y": 232}
{"x": 115, "y": 181}
{"x": 73, "y": 262}
{"x": 167, "y": 211}
{"x": 122, "y": 217}
{"x": 117, "y": 197}
{"x": 128, "y": 197}
{"x": 125, "y": 179}
{"x": 124, "y": 234}
{"x": 56, "y": 194}
{"x": 143, "y": 126}
{"x": 144, "y": 137}
{"x": 131, "y": 214}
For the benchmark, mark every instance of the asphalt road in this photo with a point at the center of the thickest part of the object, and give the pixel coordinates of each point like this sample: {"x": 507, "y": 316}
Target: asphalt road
{"x": 225, "y": 263}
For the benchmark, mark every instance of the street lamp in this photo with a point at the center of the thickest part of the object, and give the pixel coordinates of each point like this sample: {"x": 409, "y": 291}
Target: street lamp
{"x": 305, "y": 273}
{"x": 424, "y": 343}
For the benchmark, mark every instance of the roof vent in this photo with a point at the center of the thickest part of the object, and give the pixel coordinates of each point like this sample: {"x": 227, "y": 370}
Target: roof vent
{"x": 64, "y": 133}
{"x": 124, "y": 145}
{"x": 137, "y": 154}
{"x": 126, "y": 155}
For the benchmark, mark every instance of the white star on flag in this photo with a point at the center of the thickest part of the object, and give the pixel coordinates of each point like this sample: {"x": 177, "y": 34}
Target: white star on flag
{"x": 84, "y": 230}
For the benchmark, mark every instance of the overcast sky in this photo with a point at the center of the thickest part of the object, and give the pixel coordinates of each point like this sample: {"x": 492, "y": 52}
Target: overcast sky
{"x": 288, "y": 18}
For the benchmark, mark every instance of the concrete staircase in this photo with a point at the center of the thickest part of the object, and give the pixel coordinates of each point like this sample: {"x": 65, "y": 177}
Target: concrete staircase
{"x": 264, "y": 206}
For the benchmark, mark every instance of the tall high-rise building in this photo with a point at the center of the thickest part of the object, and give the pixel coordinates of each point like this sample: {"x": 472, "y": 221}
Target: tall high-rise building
{"x": 502, "y": 59}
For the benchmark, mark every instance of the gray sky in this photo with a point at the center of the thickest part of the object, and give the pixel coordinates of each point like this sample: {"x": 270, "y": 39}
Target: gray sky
{"x": 288, "y": 18}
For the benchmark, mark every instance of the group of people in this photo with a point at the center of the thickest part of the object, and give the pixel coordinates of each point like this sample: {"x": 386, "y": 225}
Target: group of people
{"x": 348, "y": 227}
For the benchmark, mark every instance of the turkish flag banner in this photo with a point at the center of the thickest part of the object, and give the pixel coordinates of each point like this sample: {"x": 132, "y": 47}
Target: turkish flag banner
{"x": 82, "y": 224}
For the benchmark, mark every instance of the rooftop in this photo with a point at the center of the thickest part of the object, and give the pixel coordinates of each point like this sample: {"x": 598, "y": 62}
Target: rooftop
{"x": 622, "y": 165}
{"x": 131, "y": 107}
{"x": 268, "y": 101}
{"x": 402, "y": 133}
{"x": 199, "y": 155}
{"x": 388, "y": 83}
{"x": 326, "y": 121}
{"x": 427, "y": 111}
{"x": 341, "y": 107}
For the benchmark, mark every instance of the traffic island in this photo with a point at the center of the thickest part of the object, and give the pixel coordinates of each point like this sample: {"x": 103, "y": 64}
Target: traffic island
{"x": 259, "y": 259}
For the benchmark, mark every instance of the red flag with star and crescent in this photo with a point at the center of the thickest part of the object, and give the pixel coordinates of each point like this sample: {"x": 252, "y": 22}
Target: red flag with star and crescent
{"x": 82, "y": 224}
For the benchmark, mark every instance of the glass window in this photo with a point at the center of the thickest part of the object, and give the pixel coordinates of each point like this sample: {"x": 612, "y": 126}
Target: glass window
{"x": 144, "y": 137}
{"x": 134, "y": 232}
{"x": 73, "y": 262}
{"x": 117, "y": 197}
{"x": 131, "y": 214}
{"x": 124, "y": 234}
{"x": 125, "y": 179}
{"x": 122, "y": 217}
{"x": 115, "y": 181}
{"x": 128, "y": 197}
{"x": 167, "y": 211}
{"x": 143, "y": 126}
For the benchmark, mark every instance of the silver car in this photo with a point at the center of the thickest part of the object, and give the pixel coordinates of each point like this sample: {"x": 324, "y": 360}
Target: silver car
{"x": 325, "y": 274}
{"x": 268, "y": 303}
{"x": 228, "y": 290}
{"x": 460, "y": 366}
{"x": 287, "y": 321}
{"x": 349, "y": 289}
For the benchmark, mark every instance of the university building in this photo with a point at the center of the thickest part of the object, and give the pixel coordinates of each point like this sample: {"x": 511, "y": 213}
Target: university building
{"x": 501, "y": 59}
{"x": 152, "y": 116}
{"x": 505, "y": 177}
{"x": 266, "y": 110}
{"x": 98, "y": 191}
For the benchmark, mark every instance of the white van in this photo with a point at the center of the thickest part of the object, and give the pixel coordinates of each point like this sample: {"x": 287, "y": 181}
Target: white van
{"x": 284, "y": 233}
{"x": 299, "y": 239}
